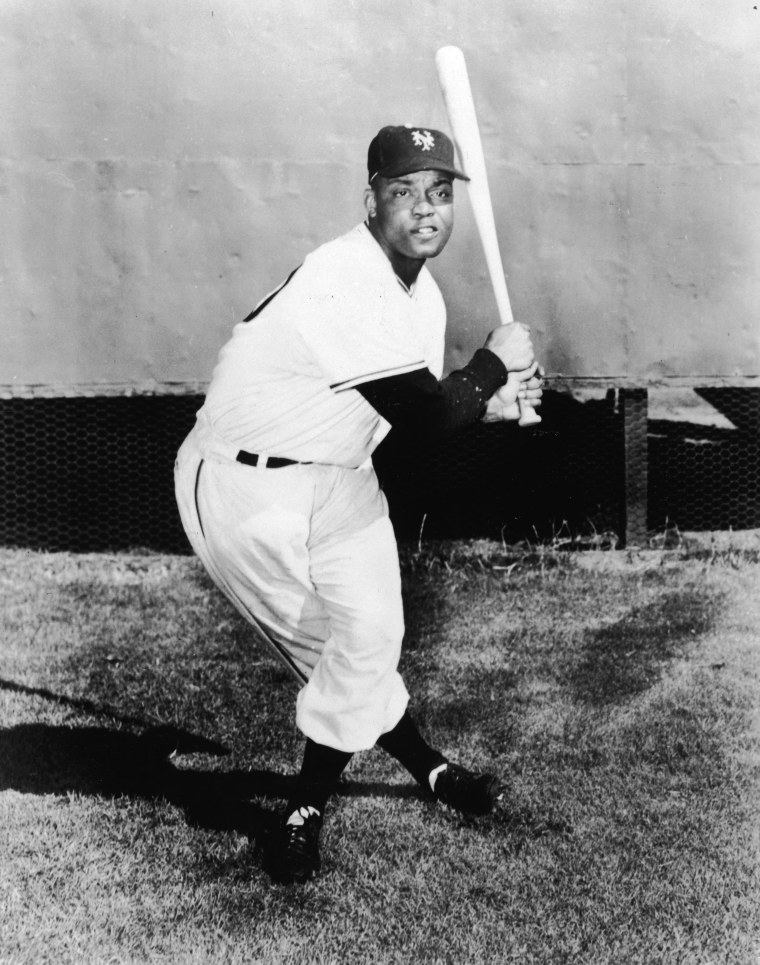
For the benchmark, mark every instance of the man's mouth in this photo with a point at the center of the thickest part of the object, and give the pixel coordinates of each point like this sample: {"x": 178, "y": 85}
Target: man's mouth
{"x": 425, "y": 230}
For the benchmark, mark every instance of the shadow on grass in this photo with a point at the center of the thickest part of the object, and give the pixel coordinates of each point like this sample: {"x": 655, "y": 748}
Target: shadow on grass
{"x": 57, "y": 759}
{"x": 100, "y": 761}
{"x": 628, "y": 657}
{"x": 107, "y": 762}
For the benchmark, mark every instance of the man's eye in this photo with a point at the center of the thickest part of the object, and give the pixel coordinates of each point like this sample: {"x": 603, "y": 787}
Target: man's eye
{"x": 400, "y": 193}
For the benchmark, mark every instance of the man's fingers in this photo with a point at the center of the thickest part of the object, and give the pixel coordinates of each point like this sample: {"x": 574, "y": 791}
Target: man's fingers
{"x": 525, "y": 374}
{"x": 513, "y": 345}
{"x": 531, "y": 388}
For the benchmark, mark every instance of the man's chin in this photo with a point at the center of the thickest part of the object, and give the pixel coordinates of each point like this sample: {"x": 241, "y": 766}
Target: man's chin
{"x": 429, "y": 247}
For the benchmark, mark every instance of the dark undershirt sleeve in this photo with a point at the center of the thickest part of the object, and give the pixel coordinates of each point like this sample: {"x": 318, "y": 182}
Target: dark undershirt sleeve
{"x": 420, "y": 405}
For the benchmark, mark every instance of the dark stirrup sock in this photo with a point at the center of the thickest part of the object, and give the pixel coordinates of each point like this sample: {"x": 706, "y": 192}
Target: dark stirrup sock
{"x": 320, "y": 770}
{"x": 408, "y": 746}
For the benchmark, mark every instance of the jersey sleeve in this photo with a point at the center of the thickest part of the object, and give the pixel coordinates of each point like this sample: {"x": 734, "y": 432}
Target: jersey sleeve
{"x": 354, "y": 341}
{"x": 422, "y": 406}
{"x": 435, "y": 327}
{"x": 351, "y": 330}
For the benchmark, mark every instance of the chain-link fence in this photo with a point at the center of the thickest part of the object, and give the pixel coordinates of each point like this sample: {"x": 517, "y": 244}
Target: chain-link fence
{"x": 91, "y": 474}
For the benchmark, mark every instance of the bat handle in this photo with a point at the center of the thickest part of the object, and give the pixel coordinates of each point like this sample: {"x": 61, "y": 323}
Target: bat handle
{"x": 528, "y": 415}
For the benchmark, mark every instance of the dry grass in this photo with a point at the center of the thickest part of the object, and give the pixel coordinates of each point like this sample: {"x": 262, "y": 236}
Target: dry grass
{"x": 618, "y": 692}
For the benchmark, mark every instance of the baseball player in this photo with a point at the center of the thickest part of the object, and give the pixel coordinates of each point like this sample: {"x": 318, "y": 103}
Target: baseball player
{"x": 275, "y": 484}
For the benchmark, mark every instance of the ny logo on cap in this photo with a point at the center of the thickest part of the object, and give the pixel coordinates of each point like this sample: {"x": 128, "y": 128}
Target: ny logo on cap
{"x": 423, "y": 139}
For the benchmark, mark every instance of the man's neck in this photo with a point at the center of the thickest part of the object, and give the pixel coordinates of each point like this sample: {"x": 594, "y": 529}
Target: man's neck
{"x": 406, "y": 269}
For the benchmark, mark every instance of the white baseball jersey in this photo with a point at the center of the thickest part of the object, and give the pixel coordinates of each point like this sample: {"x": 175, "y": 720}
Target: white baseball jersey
{"x": 283, "y": 383}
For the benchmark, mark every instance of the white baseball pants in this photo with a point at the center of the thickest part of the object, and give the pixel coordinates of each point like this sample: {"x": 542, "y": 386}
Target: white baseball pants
{"x": 308, "y": 555}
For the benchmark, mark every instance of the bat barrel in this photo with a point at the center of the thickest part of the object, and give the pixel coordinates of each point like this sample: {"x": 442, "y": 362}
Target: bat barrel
{"x": 460, "y": 107}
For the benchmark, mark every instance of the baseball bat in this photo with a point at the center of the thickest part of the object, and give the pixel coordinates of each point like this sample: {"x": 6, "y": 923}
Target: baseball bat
{"x": 460, "y": 107}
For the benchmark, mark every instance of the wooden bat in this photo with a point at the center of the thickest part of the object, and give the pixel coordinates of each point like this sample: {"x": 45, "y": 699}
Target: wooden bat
{"x": 460, "y": 107}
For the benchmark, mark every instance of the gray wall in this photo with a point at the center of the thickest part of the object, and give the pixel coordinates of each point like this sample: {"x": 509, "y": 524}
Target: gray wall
{"x": 163, "y": 164}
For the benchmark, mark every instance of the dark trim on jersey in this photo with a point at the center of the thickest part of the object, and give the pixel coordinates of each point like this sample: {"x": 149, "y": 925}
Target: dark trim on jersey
{"x": 195, "y": 496}
{"x": 264, "y": 302}
{"x": 421, "y": 406}
{"x": 380, "y": 374}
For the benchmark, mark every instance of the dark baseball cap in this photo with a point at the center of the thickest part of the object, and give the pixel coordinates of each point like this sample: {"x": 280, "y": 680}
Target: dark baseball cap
{"x": 402, "y": 150}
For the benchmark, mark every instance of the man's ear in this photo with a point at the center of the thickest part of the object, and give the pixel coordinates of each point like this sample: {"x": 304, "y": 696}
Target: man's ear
{"x": 370, "y": 202}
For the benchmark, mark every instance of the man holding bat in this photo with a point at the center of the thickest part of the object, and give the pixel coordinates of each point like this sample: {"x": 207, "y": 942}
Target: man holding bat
{"x": 276, "y": 488}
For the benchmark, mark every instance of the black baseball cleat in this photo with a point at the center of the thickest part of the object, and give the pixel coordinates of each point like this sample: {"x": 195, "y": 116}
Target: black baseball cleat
{"x": 294, "y": 858}
{"x": 468, "y": 792}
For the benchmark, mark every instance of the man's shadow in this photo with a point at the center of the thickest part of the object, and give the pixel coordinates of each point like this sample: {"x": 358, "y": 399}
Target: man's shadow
{"x": 113, "y": 761}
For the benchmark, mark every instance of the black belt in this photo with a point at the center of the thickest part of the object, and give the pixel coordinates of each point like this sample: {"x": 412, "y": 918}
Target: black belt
{"x": 273, "y": 462}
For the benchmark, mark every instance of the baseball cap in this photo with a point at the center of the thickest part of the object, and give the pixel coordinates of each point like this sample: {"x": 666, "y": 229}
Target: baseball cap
{"x": 404, "y": 149}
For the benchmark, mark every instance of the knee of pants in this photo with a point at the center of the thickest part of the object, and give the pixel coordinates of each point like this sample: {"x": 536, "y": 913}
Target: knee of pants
{"x": 376, "y": 629}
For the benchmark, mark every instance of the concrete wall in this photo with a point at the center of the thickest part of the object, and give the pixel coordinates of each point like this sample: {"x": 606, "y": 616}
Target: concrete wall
{"x": 163, "y": 164}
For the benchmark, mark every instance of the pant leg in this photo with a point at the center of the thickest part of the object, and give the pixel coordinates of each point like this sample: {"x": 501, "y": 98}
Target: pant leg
{"x": 249, "y": 528}
{"x": 355, "y": 692}
{"x": 307, "y": 553}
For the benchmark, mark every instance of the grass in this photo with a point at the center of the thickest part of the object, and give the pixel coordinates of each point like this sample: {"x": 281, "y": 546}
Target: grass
{"x": 618, "y": 692}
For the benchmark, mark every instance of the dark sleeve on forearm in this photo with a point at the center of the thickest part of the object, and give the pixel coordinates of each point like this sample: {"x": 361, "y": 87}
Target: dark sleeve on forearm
{"x": 418, "y": 403}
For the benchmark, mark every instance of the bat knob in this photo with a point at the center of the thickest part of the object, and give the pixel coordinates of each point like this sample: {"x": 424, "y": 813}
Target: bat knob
{"x": 528, "y": 415}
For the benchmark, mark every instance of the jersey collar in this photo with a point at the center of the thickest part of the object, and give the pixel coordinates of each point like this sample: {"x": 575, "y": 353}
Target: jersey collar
{"x": 407, "y": 289}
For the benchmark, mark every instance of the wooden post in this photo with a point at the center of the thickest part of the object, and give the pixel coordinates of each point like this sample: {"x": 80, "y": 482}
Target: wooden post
{"x": 634, "y": 407}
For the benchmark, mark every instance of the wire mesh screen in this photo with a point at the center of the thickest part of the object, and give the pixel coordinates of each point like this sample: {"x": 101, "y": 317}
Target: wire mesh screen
{"x": 704, "y": 461}
{"x": 88, "y": 474}
{"x": 93, "y": 474}
{"x": 502, "y": 482}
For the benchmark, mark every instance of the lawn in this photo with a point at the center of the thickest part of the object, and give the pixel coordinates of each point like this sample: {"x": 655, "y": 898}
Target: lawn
{"x": 618, "y": 692}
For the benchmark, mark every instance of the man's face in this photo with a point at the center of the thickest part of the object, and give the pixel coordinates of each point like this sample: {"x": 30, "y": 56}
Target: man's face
{"x": 412, "y": 216}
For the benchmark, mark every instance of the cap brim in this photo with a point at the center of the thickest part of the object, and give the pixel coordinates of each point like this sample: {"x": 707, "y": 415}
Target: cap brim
{"x": 412, "y": 165}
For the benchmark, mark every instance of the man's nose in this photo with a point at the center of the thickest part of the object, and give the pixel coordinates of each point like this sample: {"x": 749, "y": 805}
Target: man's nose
{"x": 422, "y": 206}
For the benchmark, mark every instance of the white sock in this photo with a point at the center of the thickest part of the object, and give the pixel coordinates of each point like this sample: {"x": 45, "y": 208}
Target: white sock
{"x": 434, "y": 774}
{"x": 299, "y": 816}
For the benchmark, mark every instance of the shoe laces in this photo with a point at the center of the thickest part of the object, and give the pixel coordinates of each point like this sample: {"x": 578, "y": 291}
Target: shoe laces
{"x": 301, "y": 815}
{"x": 301, "y": 830}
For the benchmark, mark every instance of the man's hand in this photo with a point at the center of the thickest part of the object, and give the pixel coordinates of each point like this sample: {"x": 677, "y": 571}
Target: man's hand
{"x": 527, "y": 385}
{"x": 513, "y": 346}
